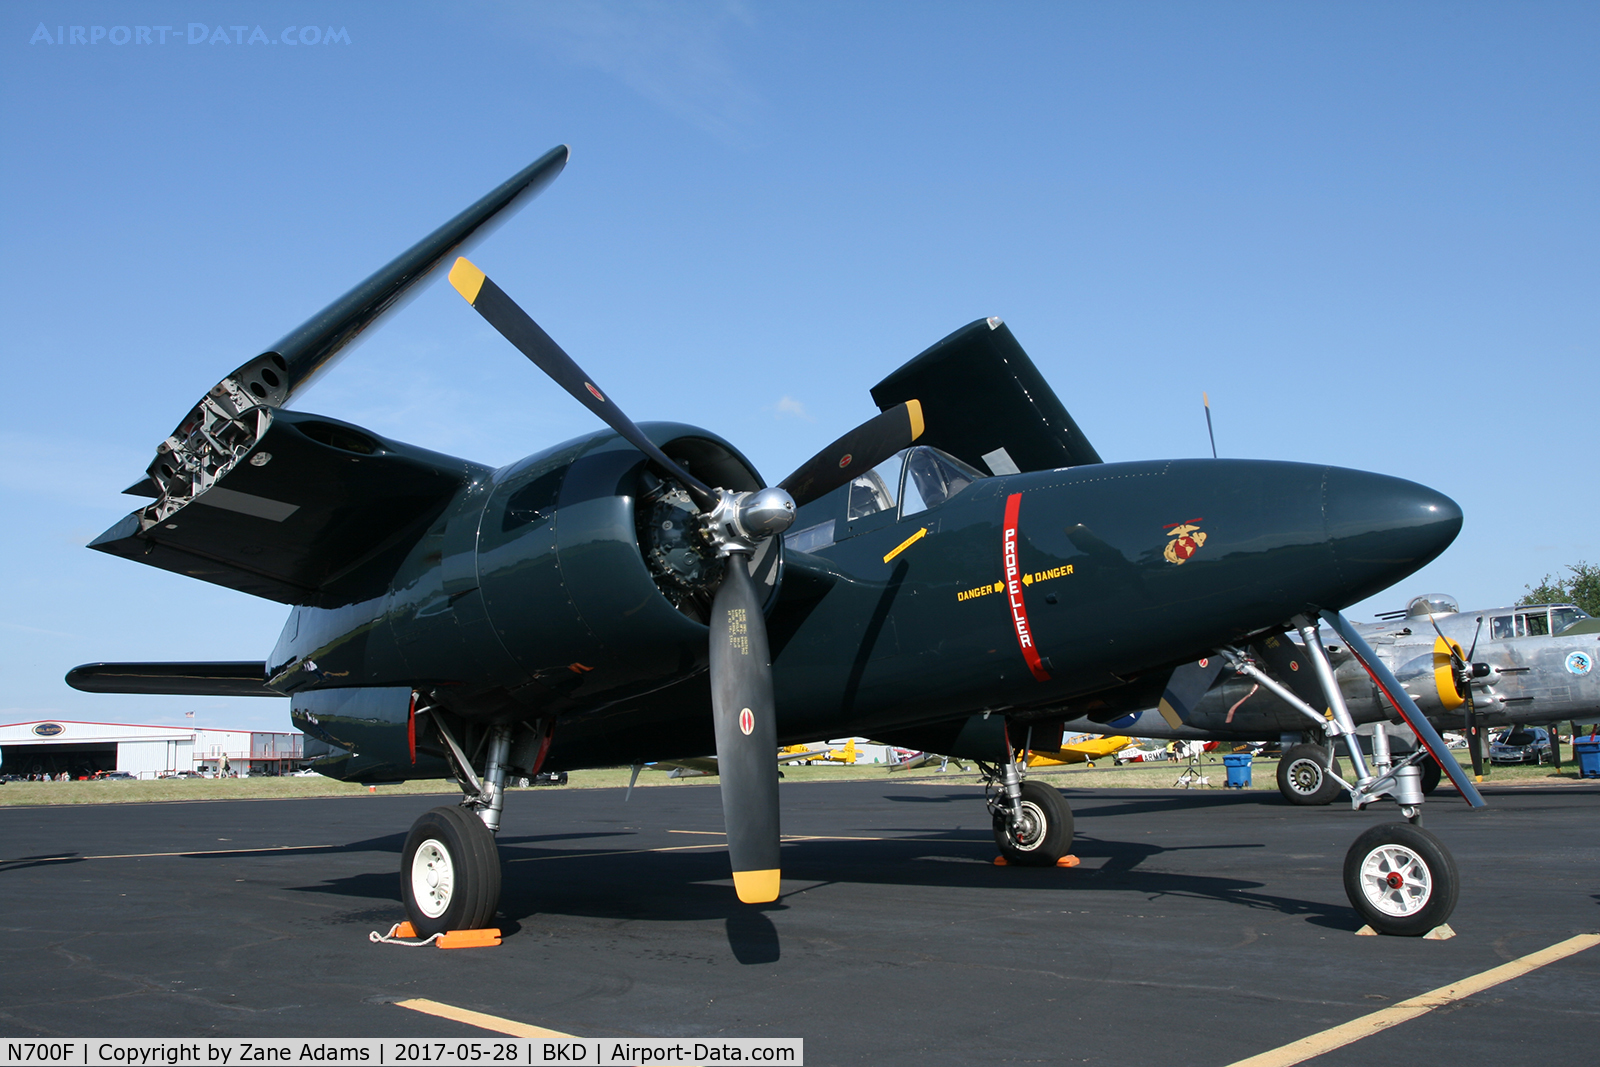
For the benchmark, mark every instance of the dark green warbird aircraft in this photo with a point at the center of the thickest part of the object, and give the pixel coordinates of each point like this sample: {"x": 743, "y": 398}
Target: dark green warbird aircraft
{"x": 946, "y": 576}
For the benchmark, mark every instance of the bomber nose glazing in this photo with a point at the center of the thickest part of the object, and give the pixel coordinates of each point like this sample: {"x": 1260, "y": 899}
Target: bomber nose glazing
{"x": 1382, "y": 529}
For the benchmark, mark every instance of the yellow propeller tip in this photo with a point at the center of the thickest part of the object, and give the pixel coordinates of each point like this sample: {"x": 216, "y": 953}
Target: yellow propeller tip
{"x": 914, "y": 409}
{"x": 756, "y": 887}
{"x": 467, "y": 279}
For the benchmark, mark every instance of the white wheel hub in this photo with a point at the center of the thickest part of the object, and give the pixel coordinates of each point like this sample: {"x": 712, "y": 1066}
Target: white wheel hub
{"x": 433, "y": 878}
{"x": 1030, "y": 835}
{"x": 1305, "y": 776}
{"x": 1396, "y": 881}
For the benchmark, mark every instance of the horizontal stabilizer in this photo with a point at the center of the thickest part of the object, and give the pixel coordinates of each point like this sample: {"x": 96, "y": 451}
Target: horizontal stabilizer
{"x": 984, "y": 402}
{"x": 244, "y": 678}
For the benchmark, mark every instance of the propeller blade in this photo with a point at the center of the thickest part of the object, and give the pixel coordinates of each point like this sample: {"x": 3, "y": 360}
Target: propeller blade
{"x": 747, "y": 732}
{"x": 1391, "y": 687}
{"x": 1184, "y": 689}
{"x": 1474, "y": 738}
{"x": 1206, "y": 400}
{"x": 860, "y": 450}
{"x": 518, "y": 327}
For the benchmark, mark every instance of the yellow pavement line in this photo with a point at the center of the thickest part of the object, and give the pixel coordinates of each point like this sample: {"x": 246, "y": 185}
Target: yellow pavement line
{"x": 1367, "y": 1025}
{"x": 492, "y": 1023}
{"x": 154, "y": 855}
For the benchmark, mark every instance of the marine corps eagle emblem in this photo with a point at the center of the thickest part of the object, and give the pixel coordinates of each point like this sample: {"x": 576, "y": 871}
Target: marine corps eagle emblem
{"x": 1187, "y": 537}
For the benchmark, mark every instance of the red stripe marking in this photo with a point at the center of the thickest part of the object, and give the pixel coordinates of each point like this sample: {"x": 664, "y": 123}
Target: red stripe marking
{"x": 1019, "y": 610}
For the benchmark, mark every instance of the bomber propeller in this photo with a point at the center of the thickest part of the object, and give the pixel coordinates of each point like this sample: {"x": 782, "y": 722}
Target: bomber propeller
{"x": 1463, "y": 671}
{"x": 742, "y": 702}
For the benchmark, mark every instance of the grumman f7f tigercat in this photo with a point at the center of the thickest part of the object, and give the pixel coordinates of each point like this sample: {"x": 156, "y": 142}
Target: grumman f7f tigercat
{"x": 948, "y": 576}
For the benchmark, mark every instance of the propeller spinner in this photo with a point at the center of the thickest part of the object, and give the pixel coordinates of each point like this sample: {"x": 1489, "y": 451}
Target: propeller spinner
{"x": 734, "y": 524}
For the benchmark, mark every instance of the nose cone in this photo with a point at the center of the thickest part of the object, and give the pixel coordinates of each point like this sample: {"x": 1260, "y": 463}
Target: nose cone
{"x": 1382, "y": 529}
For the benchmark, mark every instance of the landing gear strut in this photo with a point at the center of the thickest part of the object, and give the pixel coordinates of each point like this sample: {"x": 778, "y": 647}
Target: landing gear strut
{"x": 1032, "y": 821}
{"x": 1398, "y": 876}
{"x": 450, "y": 870}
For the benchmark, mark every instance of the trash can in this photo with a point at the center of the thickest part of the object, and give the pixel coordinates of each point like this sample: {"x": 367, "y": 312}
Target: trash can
{"x": 1587, "y": 753}
{"x": 1238, "y": 764}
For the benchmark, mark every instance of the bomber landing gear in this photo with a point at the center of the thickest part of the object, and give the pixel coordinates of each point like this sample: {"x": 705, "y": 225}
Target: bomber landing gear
{"x": 1309, "y": 774}
{"x": 1401, "y": 879}
{"x": 449, "y": 872}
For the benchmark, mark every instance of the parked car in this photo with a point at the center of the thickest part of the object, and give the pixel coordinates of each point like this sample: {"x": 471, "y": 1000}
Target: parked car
{"x": 115, "y": 776}
{"x": 1525, "y": 744}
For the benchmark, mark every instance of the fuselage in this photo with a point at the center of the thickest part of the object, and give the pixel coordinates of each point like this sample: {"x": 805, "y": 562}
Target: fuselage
{"x": 531, "y": 596}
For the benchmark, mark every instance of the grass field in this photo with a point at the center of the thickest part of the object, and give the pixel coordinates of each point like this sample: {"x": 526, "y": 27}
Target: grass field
{"x": 1132, "y": 776}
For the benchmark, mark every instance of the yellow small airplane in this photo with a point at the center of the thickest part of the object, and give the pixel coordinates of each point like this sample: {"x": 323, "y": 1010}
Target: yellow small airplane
{"x": 1079, "y": 750}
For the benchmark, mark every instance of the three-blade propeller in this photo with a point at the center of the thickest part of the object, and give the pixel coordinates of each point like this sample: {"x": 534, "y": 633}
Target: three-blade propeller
{"x": 742, "y": 701}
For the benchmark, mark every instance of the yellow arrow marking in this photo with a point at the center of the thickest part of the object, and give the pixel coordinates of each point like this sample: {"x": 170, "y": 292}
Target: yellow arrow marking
{"x": 907, "y": 543}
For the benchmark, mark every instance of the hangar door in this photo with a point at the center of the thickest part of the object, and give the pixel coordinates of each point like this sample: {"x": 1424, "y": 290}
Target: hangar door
{"x": 80, "y": 761}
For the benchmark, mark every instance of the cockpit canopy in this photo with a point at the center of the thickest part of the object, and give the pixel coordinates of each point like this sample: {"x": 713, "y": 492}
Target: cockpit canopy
{"x": 1536, "y": 620}
{"x": 1431, "y": 604}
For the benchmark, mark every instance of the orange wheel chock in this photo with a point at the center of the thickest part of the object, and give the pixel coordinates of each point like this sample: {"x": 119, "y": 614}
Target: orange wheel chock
{"x": 405, "y": 930}
{"x": 470, "y": 939}
{"x": 1000, "y": 861}
{"x": 1067, "y": 861}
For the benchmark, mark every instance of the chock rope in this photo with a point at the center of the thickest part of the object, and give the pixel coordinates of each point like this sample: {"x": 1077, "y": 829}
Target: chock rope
{"x": 394, "y": 937}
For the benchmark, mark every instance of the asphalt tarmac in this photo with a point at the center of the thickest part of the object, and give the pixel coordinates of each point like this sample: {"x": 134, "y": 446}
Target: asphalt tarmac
{"x": 1201, "y": 927}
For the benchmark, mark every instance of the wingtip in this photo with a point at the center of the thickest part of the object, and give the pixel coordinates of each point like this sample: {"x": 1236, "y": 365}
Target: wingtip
{"x": 467, "y": 279}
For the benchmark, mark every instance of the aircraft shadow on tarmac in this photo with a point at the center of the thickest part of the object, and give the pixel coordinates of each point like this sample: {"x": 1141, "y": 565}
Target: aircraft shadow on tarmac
{"x": 690, "y": 886}
{"x": 48, "y": 859}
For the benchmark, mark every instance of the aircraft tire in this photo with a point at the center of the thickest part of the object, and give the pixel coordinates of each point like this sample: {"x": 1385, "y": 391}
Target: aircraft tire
{"x": 1304, "y": 778}
{"x": 1401, "y": 879}
{"x": 1432, "y": 775}
{"x": 1048, "y": 835}
{"x": 449, "y": 872}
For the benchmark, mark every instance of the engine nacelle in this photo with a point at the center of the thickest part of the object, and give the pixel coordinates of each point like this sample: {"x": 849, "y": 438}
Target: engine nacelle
{"x": 573, "y": 576}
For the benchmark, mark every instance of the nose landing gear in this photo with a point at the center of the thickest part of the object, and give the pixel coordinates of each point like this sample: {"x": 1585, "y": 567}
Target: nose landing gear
{"x": 1401, "y": 879}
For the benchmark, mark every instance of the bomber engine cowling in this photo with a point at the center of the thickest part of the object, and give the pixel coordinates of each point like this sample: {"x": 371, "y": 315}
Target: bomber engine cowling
{"x": 575, "y": 576}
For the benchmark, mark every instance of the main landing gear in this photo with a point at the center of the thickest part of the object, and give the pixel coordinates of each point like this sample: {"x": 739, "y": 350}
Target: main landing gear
{"x": 450, "y": 869}
{"x": 449, "y": 872}
{"x": 1032, "y": 821}
{"x": 1309, "y": 774}
{"x": 1399, "y": 877}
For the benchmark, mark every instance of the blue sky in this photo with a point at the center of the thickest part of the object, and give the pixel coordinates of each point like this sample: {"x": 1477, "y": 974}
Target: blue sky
{"x": 1369, "y": 231}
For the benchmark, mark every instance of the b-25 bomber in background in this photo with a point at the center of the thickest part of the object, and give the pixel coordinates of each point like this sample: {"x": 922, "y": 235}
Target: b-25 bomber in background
{"x": 1471, "y": 671}
{"x": 948, "y": 577}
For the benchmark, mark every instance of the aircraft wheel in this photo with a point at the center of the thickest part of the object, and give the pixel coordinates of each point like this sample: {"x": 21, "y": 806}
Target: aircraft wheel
{"x": 1401, "y": 879}
{"x": 1432, "y": 775}
{"x": 1046, "y": 832}
{"x": 1303, "y": 775}
{"x": 449, "y": 872}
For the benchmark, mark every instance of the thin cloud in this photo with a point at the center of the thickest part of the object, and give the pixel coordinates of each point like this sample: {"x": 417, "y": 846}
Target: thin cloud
{"x": 788, "y": 405}
{"x": 675, "y": 55}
